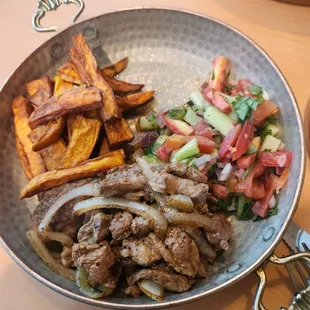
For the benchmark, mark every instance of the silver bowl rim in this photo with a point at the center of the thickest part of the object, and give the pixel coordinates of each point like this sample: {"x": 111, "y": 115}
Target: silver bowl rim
{"x": 244, "y": 273}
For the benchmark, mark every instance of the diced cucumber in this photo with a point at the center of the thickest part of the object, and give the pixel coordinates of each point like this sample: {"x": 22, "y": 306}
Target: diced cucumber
{"x": 197, "y": 98}
{"x": 176, "y": 114}
{"x": 192, "y": 162}
{"x": 233, "y": 116}
{"x": 218, "y": 120}
{"x": 151, "y": 159}
{"x": 191, "y": 117}
{"x": 166, "y": 131}
{"x": 254, "y": 146}
{"x": 270, "y": 144}
{"x": 188, "y": 150}
{"x": 161, "y": 139}
{"x": 190, "y": 106}
{"x": 274, "y": 130}
{"x": 243, "y": 204}
{"x": 146, "y": 124}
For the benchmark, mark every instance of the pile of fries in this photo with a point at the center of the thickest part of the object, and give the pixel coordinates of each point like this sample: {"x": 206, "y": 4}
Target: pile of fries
{"x": 72, "y": 127}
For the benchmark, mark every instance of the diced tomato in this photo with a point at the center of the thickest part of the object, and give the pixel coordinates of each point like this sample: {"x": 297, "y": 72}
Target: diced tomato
{"x": 244, "y": 139}
{"x": 245, "y": 162}
{"x": 261, "y": 207}
{"x": 246, "y": 186}
{"x": 205, "y": 145}
{"x": 244, "y": 84}
{"x": 219, "y": 73}
{"x": 178, "y": 127}
{"x": 221, "y": 103}
{"x": 235, "y": 91}
{"x": 163, "y": 153}
{"x": 264, "y": 110}
{"x": 229, "y": 141}
{"x": 282, "y": 180}
{"x": 203, "y": 129}
{"x": 275, "y": 159}
{"x": 219, "y": 191}
{"x": 257, "y": 191}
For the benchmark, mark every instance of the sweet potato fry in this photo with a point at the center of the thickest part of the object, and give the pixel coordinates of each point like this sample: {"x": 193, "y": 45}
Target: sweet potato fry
{"x": 61, "y": 85}
{"x": 134, "y": 100}
{"x": 121, "y": 87}
{"x": 45, "y": 135}
{"x": 87, "y": 67}
{"x": 23, "y": 159}
{"x": 105, "y": 148}
{"x": 39, "y": 91}
{"x": 73, "y": 101}
{"x": 116, "y": 68}
{"x": 53, "y": 155}
{"x": 69, "y": 73}
{"x": 20, "y": 108}
{"x": 87, "y": 169}
{"x": 118, "y": 132}
{"x": 83, "y": 137}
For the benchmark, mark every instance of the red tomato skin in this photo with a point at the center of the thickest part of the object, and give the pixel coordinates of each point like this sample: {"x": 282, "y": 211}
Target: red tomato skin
{"x": 163, "y": 153}
{"x": 244, "y": 139}
{"x": 229, "y": 141}
{"x": 264, "y": 110}
{"x": 219, "y": 191}
{"x": 275, "y": 159}
{"x": 245, "y": 162}
{"x": 203, "y": 129}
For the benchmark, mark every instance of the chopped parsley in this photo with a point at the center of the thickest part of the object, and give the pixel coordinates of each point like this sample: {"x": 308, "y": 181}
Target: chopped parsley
{"x": 255, "y": 90}
{"x": 228, "y": 88}
{"x": 266, "y": 133}
{"x": 176, "y": 113}
{"x": 244, "y": 106}
{"x": 273, "y": 211}
{"x": 151, "y": 117}
{"x": 213, "y": 76}
{"x": 227, "y": 75}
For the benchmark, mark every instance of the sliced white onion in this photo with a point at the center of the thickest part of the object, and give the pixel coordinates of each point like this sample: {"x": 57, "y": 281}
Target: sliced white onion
{"x": 272, "y": 202}
{"x": 158, "y": 219}
{"x": 47, "y": 257}
{"x": 226, "y": 172}
{"x": 221, "y": 165}
{"x": 202, "y": 160}
{"x": 152, "y": 289}
{"x": 91, "y": 189}
{"x": 265, "y": 95}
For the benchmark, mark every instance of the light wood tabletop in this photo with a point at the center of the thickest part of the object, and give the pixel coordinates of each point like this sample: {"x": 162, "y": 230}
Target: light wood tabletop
{"x": 283, "y": 30}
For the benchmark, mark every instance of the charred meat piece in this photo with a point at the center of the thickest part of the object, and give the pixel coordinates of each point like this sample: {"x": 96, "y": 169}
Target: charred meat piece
{"x": 96, "y": 229}
{"x": 73, "y": 101}
{"x": 184, "y": 250}
{"x": 220, "y": 238}
{"x": 120, "y": 226}
{"x": 135, "y": 196}
{"x": 97, "y": 259}
{"x": 66, "y": 256}
{"x": 184, "y": 171}
{"x": 140, "y": 251}
{"x": 141, "y": 226}
{"x": 86, "y": 65}
{"x": 40, "y": 90}
{"x": 133, "y": 290}
{"x": 172, "y": 282}
{"x": 205, "y": 249}
{"x": 124, "y": 179}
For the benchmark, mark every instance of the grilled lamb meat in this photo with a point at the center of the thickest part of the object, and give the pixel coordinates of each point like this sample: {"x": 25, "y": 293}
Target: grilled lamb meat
{"x": 184, "y": 171}
{"x": 97, "y": 259}
{"x": 66, "y": 256}
{"x": 184, "y": 250}
{"x": 170, "y": 281}
{"x": 133, "y": 290}
{"x": 124, "y": 179}
{"x": 205, "y": 249}
{"x": 140, "y": 251}
{"x": 120, "y": 226}
{"x": 96, "y": 229}
{"x": 141, "y": 226}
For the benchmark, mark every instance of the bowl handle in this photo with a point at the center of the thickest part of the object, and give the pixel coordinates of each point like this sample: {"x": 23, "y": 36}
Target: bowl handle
{"x": 52, "y": 5}
{"x": 257, "y": 303}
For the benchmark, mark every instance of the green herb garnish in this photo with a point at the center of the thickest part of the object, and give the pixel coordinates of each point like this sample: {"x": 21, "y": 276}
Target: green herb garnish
{"x": 176, "y": 113}
{"x": 213, "y": 76}
{"x": 244, "y": 106}
{"x": 273, "y": 211}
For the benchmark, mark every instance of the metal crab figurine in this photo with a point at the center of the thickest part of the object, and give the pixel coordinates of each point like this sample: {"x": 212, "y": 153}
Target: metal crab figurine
{"x": 52, "y": 5}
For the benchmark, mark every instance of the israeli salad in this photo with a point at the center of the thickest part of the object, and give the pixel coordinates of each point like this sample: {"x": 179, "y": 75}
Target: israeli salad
{"x": 231, "y": 133}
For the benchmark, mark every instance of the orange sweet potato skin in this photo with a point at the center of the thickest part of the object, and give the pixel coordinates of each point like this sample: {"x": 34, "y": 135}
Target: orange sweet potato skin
{"x": 23, "y": 159}
{"x": 69, "y": 73}
{"x": 20, "y": 108}
{"x": 118, "y": 132}
{"x": 83, "y": 137}
{"x": 116, "y": 68}
{"x": 87, "y": 169}
{"x": 87, "y": 67}
{"x": 39, "y": 90}
{"x": 134, "y": 100}
{"x": 74, "y": 101}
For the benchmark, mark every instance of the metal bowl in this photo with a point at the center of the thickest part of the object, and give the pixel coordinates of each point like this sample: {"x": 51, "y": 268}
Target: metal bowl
{"x": 170, "y": 51}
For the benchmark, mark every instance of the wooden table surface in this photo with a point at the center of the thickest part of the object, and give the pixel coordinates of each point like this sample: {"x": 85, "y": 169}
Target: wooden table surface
{"x": 283, "y": 30}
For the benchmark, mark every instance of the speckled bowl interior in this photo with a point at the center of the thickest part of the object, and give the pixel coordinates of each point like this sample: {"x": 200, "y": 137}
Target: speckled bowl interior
{"x": 170, "y": 52}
